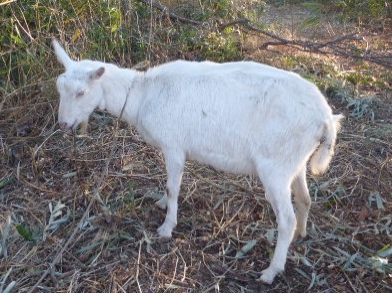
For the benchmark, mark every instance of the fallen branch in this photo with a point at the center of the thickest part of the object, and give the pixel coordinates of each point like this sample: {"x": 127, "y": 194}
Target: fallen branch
{"x": 331, "y": 47}
{"x": 172, "y": 15}
{"x": 335, "y": 46}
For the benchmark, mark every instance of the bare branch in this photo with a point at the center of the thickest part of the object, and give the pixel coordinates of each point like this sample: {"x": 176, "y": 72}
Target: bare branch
{"x": 337, "y": 47}
{"x": 167, "y": 11}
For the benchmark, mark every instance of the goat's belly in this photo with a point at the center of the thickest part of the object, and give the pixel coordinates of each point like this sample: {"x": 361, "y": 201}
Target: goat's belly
{"x": 230, "y": 164}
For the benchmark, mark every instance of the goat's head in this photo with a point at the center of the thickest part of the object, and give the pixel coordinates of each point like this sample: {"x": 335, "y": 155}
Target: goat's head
{"x": 79, "y": 89}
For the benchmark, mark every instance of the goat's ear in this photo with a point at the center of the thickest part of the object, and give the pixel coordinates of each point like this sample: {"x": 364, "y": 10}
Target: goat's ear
{"x": 62, "y": 56}
{"x": 97, "y": 74}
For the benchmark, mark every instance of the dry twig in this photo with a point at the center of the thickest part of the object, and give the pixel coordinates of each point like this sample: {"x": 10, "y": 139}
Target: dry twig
{"x": 338, "y": 46}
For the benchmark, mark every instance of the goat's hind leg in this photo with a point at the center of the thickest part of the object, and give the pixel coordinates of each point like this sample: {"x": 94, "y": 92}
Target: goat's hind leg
{"x": 277, "y": 188}
{"x": 302, "y": 202}
{"x": 175, "y": 162}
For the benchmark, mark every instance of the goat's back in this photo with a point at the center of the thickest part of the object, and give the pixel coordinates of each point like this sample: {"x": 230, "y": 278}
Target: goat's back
{"x": 226, "y": 115}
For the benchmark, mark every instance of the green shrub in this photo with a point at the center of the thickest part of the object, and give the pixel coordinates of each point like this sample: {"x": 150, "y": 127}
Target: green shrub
{"x": 123, "y": 32}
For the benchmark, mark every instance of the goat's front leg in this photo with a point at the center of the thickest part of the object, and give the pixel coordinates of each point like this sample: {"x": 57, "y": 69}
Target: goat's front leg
{"x": 175, "y": 162}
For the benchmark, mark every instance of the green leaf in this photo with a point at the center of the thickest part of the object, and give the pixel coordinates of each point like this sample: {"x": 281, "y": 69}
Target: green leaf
{"x": 25, "y": 232}
{"x": 385, "y": 251}
{"x": 247, "y": 247}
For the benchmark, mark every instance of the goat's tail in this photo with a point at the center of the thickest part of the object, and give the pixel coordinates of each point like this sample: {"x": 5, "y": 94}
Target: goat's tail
{"x": 323, "y": 155}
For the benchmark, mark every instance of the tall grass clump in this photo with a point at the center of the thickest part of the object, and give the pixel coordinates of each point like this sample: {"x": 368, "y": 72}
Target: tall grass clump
{"x": 94, "y": 29}
{"x": 98, "y": 29}
{"x": 124, "y": 32}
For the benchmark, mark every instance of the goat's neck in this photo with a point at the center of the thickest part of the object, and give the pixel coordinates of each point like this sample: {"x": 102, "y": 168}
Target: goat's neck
{"x": 119, "y": 98}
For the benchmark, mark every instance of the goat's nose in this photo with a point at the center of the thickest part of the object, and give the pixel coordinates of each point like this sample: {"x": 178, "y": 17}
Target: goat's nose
{"x": 63, "y": 125}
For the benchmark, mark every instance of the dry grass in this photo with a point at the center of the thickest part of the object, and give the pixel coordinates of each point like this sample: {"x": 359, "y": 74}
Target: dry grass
{"x": 77, "y": 212}
{"x": 111, "y": 220}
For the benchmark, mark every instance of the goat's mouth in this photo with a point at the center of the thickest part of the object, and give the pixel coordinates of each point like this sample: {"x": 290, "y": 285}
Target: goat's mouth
{"x": 67, "y": 128}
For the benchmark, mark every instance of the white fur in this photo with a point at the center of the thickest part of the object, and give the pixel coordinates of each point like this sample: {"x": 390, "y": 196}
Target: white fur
{"x": 240, "y": 117}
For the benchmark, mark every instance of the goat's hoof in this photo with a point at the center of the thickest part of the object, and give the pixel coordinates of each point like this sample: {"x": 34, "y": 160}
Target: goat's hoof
{"x": 298, "y": 236}
{"x": 164, "y": 232}
{"x": 268, "y": 275}
{"x": 163, "y": 240}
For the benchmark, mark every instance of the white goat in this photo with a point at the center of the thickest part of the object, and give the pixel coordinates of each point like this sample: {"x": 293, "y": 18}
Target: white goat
{"x": 240, "y": 117}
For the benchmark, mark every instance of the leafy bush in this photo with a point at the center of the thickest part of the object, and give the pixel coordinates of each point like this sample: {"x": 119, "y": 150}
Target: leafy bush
{"x": 28, "y": 27}
{"x": 123, "y": 32}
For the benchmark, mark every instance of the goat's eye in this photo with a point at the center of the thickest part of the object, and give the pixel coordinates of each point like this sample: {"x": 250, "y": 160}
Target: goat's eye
{"x": 80, "y": 94}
